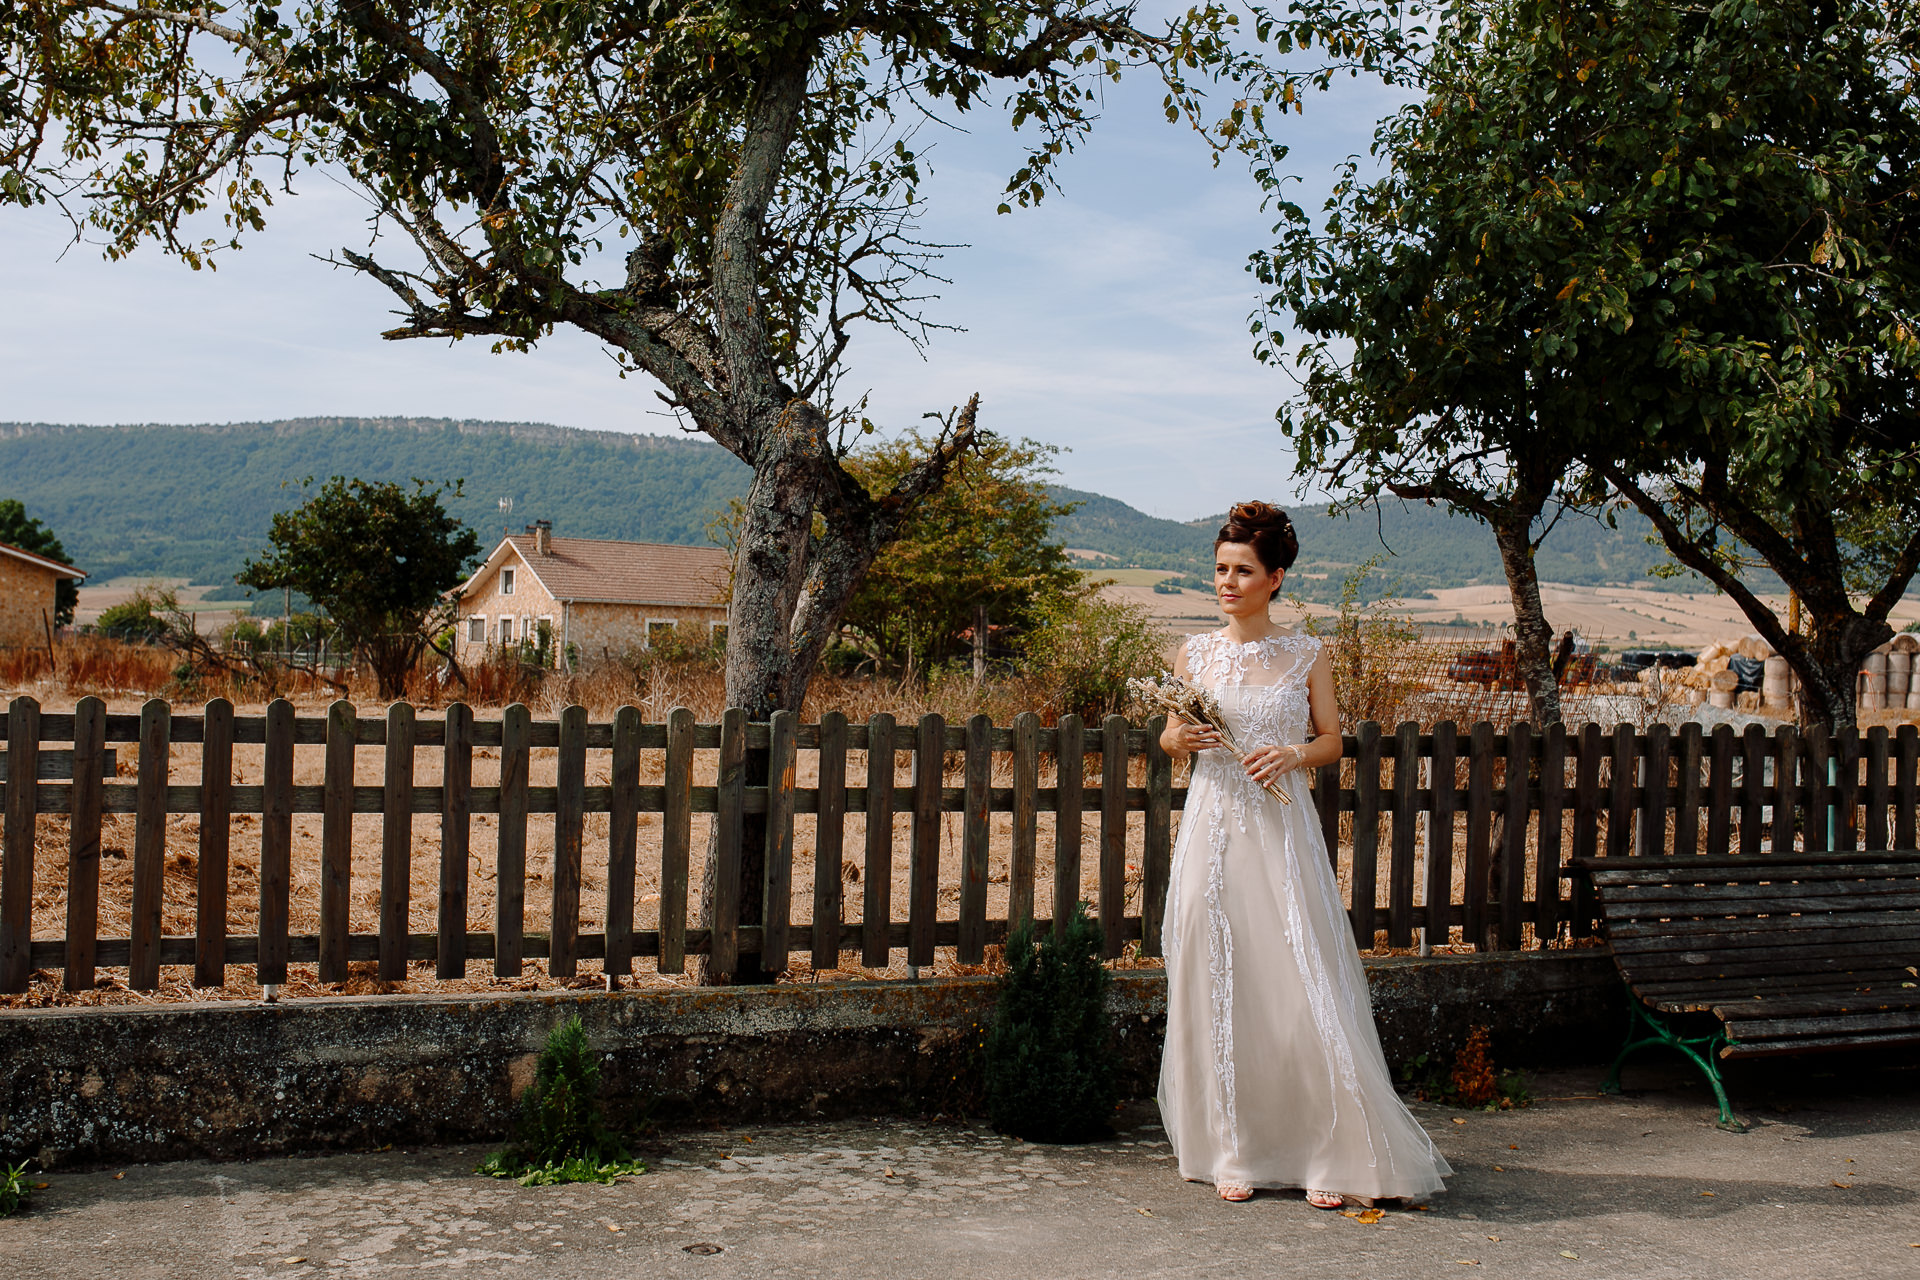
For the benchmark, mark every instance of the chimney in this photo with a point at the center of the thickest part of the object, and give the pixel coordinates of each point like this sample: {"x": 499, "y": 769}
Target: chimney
{"x": 543, "y": 537}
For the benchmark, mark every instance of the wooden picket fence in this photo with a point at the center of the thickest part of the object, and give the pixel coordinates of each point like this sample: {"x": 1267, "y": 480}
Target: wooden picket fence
{"x": 1517, "y": 804}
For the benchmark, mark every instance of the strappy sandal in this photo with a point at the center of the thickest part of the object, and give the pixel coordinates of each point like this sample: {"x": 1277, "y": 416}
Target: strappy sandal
{"x": 1234, "y": 1191}
{"x": 1326, "y": 1199}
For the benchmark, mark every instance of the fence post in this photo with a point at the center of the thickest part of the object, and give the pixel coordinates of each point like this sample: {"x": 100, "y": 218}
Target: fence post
{"x": 336, "y": 842}
{"x": 829, "y": 841}
{"x": 149, "y": 845}
{"x": 216, "y": 808}
{"x": 276, "y": 846}
{"x": 1686, "y": 817}
{"x": 923, "y": 866}
{"x": 456, "y": 826}
{"x": 1753, "y": 782}
{"x": 1877, "y": 744}
{"x": 676, "y": 841}
{"x": 1586, "y": 825}
{"x": 876, "y": 909}
{"x": 1846, "y": 790}
{"x": 1479, "y": 867}
{"x": 16, "y": 873}
{"x": 1549, "y": 834}
{"x": 569, "y": 822}
{"x": 975, "y": 831}
{"x": 1620, "y": 811}
{"x": 1653, "y": 791}
{"x": 776, "y": 869}
{"x": 723, "y": 947}
{"x": 1400, "y": 863}
{"x": 1442, "y": 775}
{"x": 396, "y": 843}
{"x": 510, "y": 852}
{"x": 1786, "y": 790}
{"x": 1070, "y": 762}
{"x": 1906, "y": 787}
{"x": 1113, "y": 835}
{"x": 1720, "y": 792}
{"x": 1026, "y": 819}
{"x": 83, "y": 857}
{"x": 1512, "y": 880}
{"x": 1366, "y": 834}
{"x": 1157, "y": 852}
{"x": 623, "y": 840}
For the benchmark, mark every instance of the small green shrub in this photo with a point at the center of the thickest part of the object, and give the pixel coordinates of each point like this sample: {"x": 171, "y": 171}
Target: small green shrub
{"x": 14, "y": 1189}
{"x": 1050, "y": 1067}
{"x": 561, "y": 1133}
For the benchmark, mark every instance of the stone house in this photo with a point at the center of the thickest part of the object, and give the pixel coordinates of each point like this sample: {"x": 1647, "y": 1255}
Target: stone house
{"x": 590, "y": 598}
{"x": 27, "y": 583}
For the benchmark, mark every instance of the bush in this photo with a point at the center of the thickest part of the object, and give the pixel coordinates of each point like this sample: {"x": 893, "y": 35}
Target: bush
{"x": 561, "y": 1134}
{"x": 1372, "y": 650}
{"x": 14, "y": 1189}
{"x": 145, "y": 615}
{"x": 1050, "y": 1070}
{"x": 1085, "y": 650}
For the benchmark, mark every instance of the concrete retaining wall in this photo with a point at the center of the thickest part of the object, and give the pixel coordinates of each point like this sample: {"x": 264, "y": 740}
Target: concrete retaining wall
{"x": 227, "y": 1080}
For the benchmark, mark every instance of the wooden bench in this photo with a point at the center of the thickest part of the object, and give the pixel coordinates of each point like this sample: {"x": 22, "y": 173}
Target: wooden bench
{"x": 1803, "y": 953}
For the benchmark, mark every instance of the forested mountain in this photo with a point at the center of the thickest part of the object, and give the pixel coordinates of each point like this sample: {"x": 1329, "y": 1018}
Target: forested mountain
{"x": 195, "y": 501}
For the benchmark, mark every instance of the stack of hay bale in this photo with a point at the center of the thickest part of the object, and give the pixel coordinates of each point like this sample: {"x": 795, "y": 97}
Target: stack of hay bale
{"x": 1714, "y": 678}
{"x": 1886, "y": 681}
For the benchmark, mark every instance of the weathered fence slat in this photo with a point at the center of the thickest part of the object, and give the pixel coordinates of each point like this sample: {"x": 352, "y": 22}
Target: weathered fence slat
{"x": 1366, "y": 835}
{"x": 569, "y": 828}
{"x": 1654, "y": 773}
{"x": 876, "y": 903}
{"x": 1113, "y": 834}
{"x": 1473, "y": 913}
{"x": 16, "y": 858}
{"x": 1511, "y": 882}
{"x": 1819, "y": 787}
{"x": 1443, "y": 776}
{"x": 336, "y": 843}
{"x": 1846, "y": 790}
{"x": 1586, "y": 823}
{"x": 83, "y": 843}
{"x": 1023, "y": 861}
{"x": 923, "y": 855}
{"x": 1686, "y": 814}
{"x": 729, "y": 825}
{"x": 396, "y": 844}
{"x": 149, "y": 848}
{"x": 623, "y": 840}
{"x": 1406, "y": 821}
{"x": 1786, "y": 791}
{"x": 276, "y": 844}
{"x": 510, "y": 848}
{"x": 975, "y": 831}
{"x": 676, "y": 841}
{"x": 1877, "y": 794}
{"x": 829, "y": 842}
{"x": 1549, "y": 834}
{"x": 1326, "y": 798}
{"x": 1157, "y": 845}
{"x": 216, "y": 808}
{"x": 1906, "y": 787}
{"x": 1753, "y": 781}
{"x": 1620, "y": 841}
{"x": 1070, "y": 762}
{"x": 1720, "y": 791}
{"x": 456, "y": 824}
{"x": 776, "y": 869}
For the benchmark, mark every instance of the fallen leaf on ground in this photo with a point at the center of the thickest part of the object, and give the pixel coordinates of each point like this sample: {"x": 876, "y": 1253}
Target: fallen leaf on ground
{"x": 1468, "y": 1262}
{"x": 1368, "y": 1216}
{"x": 1145, "y": 1213}
{"x": 293, "y": 1261}
{"x": 890, "y": 1173}
{"x": 1844, "y": 1186}
{"x": 1499, "y": 1169}
{"x": 1707, "y": 1193}
{"x": 1495, "y": 1239}
{"x": 1513, "y": 1146}
{"x": 612, "y": 1227}
{"x": 1568, "y": 1253}
{"x": 1459, "y": 1121}
{"x": 41, "y": 1186}
{"x": 118, "y": 1176}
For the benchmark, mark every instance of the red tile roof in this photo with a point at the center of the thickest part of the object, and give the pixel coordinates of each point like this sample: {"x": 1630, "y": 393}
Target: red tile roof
{"x": 599, "y": 571}
{"x": 39, "y": 561}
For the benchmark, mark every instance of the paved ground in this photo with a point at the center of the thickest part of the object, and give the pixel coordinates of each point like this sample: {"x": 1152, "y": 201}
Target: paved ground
{"x": 1827, "y": 1184}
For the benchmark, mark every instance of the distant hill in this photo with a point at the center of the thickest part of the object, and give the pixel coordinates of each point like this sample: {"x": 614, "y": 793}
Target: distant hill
{"x": 1421, "y": 548}
{"x": 195, "y": 501}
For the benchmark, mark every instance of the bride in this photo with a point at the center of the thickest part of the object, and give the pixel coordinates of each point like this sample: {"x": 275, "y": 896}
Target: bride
{"x": 1273, "y": 1074}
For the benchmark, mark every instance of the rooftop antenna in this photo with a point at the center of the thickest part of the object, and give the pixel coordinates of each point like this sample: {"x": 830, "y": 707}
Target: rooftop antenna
{"x": 506, "y": 517}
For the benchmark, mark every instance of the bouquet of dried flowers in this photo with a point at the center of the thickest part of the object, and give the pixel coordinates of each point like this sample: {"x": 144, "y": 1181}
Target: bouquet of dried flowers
{"x": 1175, "y": 697}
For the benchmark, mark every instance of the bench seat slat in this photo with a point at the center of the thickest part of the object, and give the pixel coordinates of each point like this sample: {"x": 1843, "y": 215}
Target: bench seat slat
{"x": 1823, "y": 1025}
{"x": 1700, "y": 977}
{"x": 1821, "y": 1044}
{"x": 1740, "y": 863}
{"x": 1860, "y": 984}
{"x": 1872, "y": 939}
{"x": 1879, "y": 926}
{"x": 1830, "y": 1003}
{"x": 1730, "y": 877}
{"x": 1872, "y": 888}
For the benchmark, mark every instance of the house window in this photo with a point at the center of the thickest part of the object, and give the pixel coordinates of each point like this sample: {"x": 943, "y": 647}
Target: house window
{"x": 506, "y": 630}
{"x": 506, "y": 582}
{"x": 717, "y": 633}
{"x": 476, "y": 630}
{"x": 659, "y": 632}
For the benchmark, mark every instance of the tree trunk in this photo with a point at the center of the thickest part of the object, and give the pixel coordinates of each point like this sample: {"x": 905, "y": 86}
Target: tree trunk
{"x": 1533, "y": 635}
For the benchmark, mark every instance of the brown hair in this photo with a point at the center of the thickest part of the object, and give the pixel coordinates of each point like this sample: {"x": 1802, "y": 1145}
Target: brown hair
{"x": 1265, "y": 528}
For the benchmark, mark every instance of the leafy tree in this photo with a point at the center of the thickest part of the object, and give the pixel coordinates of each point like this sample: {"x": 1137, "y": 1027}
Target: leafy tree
{"x": 1678, "y": 241}
{"x": 1084, "y": 648}
{"x": 980, "y": 547}
{"x": 377, "y": 560}
{"x": 21, "y": 530}
{"x": 1050, "y": 1058}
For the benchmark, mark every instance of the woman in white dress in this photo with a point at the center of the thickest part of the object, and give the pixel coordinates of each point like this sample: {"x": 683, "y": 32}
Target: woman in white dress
{"x": 1273, "y": 1074}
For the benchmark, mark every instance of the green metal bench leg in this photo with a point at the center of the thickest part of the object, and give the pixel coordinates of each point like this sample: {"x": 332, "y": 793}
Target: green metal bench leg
{"x": 1700, "y": 1049}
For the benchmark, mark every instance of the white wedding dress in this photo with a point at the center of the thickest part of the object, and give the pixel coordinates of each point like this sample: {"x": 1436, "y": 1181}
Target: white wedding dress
{"x": 1273, "y": 1074}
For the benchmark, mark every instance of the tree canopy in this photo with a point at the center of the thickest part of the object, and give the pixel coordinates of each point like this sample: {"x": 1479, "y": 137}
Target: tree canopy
{"x": 377, "y": 558}
{"x": 18, "y": 529}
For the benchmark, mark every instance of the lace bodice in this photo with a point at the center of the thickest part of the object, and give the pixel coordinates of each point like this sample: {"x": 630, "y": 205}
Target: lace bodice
{"x": 1261, "y": 685}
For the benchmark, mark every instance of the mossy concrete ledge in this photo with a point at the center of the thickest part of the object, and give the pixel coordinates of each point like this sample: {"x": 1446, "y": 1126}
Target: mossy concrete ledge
{"x": 227, "y": 1080}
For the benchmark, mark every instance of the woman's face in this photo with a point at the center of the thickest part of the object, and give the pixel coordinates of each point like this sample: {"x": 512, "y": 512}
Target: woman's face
{"x": 1243, "y": 584}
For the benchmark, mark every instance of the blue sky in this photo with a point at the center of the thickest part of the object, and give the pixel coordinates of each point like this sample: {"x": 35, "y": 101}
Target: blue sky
{"x": 1111, "y": 321}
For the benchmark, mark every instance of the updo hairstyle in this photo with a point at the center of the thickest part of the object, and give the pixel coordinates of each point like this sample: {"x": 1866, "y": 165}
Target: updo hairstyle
{"x": 1265, "y": 528}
